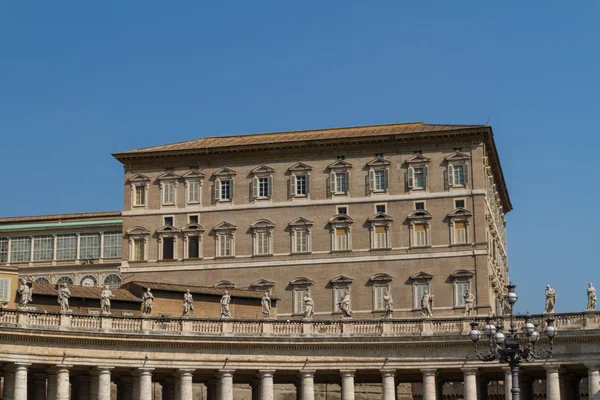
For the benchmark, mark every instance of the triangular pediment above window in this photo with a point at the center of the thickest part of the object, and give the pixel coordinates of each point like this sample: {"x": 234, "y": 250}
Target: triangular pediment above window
{"x": 193, "y": 228}
{"x": 462, "y": 273}
{"x": 225, "y": 284}
{"x": 300, "y": 167}
{"x": 262, "y": 283}
{"x": 263, "y": 223}
{"x": 224, "y": 172}
{"x": 139, "y": 178}
{"x": 457, "y": 156}
{"x": 168, "y": 176}
{"x": 341, "y": 279}
{"x": 263, "y": 169}
{"x": 194, "y": 174}
{"x": 225, "y": 226}
{"x": 460, "y": 212}
{"x": 380, "y": 217}
{"x": 420, "y": 214}
{"x": 167, "y": 229}
{"x": 418, "y": 159}
{"x": 379, "y": 162}
{"x": 301, "y": 222}
{"x": 421, "y": 276}
{"x": 138, "y": 230}
{"x": 301, "y": 281}
{"x": 339, "y": 164}
{"x": 381, "y": 277}
{"x": 341, "y": 219}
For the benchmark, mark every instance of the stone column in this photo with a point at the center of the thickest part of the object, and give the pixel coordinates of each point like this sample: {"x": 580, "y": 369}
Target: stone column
{"x": 186, "y": 389}
{"x": 145, "y": 385}
{"x": 593, "y": 381}
{"x": 308, "y": 384}
{"x": 226, "y": 384}
{"x": 63, "y": 385}
{"x": 104, "y": 387}
{"x": 40, "y": 387}
{"x": 8, "y": 390}
{"x": 83, "y": 389}
{"x": 470, "y": 383}
{"x": 507, "y": 383}
{"x": 266, "y": 384}
{"x": 552, "y": 382}
{"x": 126, "y": 386}
{"x": 51, "y": 388}
{"x": 93, "y": 384}
{"x": 388, "y": 377}
{"x": 347, "y": 384}
{"x": 429, "y": 388}
{"x": 20, "y": 392}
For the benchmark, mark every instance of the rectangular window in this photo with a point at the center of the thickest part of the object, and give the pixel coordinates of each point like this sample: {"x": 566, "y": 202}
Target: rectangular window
{"x": 420, "y": 205}
{"x": 301, "y": 185}
{"x": 168, "y": 247}
{"x": 3, "y": 250}
{"x": 20, "y": 249}
{"x": 262, "y": 243}
{"x": 459, "y": 175}
{"x": 112, "y": 245}
{"x": 341, "y": 239}
{"x": 301, "y": 241}
{"x": 193, "y": 219}
{"x": 380, "y": 237}
{"x": 226, "y": 189}
{"x": 342, "y": 210}
{"x": 379, "y": 180}
{"x": 340, "y": 182}
{"x": 378, "y": 293}
{"x": 460, "y": 232}
{"x": 461, "y": 289}
{"x": 420, "y": 235}
{"x": 420, "y": 290}
{"x": 340, "y": 158}
{"x": 459, "y": 203}
{"x": 378, "y": 155}
{"x": 299, "y": 295}
{"x": 138, "y": 249}
{"x": 140, "y": 195}
{"x": 168, "y": 221}
{"x": 225, "y": 245}
{"x": 380, "y": 208}
{"x": 193, "y": 192}
{"x": 43, "y": 248}
{"x": 5, "y": 289}
{"x": 338, "y": 294}
{"x": 66, "y": 247}
{"x": 263, "y": 187}
{"x": 193, "y": 247}
{"x": 89, "y": 246}
{"x": 419, "y": 178}
{"x": 169, "y": 193}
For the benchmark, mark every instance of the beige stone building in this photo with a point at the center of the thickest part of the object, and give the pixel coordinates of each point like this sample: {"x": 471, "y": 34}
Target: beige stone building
{"x": 405, "y": 208}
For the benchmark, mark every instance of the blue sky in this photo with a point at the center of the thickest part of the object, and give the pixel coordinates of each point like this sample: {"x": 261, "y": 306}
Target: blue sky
{"x": 81, "y": 80}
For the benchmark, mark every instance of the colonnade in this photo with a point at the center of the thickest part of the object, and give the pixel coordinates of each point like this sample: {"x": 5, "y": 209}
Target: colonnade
{"x": 56, "y": 384}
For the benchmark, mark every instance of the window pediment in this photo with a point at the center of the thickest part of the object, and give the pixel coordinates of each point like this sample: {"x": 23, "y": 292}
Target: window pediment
{"x": 457, "y": 156}
{"x": 224, "y": 172}
{"x": 380, "y": 217}
{"x": 301, "y": 281}
{"x": 462, "y": 274}
{"x": 168, "y": 176}
{"x": 262, "y": 169}
{"x": 193, "y": 228}
{"x": 262, "y": 283}
{"x": 138, "y": 230}
{"x": 460, "y": 213}
{"x": 339, "y": 164}
{"x": 225, "y": 284}
{"x": 139, "y": 178}
{"x": 167, "y": 229}
{"x": 419, "y": 214}
{"x": 381, "y": 277}
{"x": 301, "y": 222}
{"x": 300, "y": 167}
{"x": 341, "y": 279}
{"x": 421, "y": 276}
{"x": 194, "y": 174}
{"x": 225, "y": 226}
{"x": 262, "y": 223}
{"x": 418, "y": 159}
{"x": 379, "y": 162}
{"x": 341, "y": 219}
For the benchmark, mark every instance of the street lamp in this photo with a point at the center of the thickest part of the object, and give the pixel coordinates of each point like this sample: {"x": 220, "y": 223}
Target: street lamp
{"x": 506, "y": 348}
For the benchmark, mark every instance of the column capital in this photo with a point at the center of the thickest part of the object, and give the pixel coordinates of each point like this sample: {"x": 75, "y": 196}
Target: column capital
{"x": 101, "y": 369}
{"x": 347, "y": 372}
{"x": 145, "y": 371}
{"x": 592, "y": 366}
{"x": 266, "y": 372}
{"x": 469, "y": 370}
{"x": 225, "y": 372}
{"x": 22, "y": 364}
{"x": 429, "y": 371}
{"x": 552, "y": 368}
{"x": 506, "y": 369}
{"x": 388, "y": 372}
{"x": 185, "y": 371}
{"x": 307, "y": 372}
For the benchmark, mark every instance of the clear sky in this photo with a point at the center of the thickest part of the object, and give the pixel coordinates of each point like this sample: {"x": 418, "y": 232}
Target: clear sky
{"x": 81, "y": 80}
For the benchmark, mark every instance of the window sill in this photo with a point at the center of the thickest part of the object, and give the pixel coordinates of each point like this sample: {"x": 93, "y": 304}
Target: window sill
{"x": 139, "y": 206}
{"x": 193, "y": 203}
{"x": 417, "y": 189}
{"x": 381, "y": 249}
{"x": 223, "y": 201}
{"x": 301, "y": 253}
{"x": 460, "y": 244}
{"x": 192, "y": 258}
{"x": 263, "y": 255}
{"x": 339, "y": 194}
{"x": 421, "y": 247}
{"x": 137, "y": 261}
{"x": 342, "y": 251}
{"x": 224, "y": 257}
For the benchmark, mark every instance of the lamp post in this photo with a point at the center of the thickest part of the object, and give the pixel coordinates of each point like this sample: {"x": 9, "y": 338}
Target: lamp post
{"x": 506, "y": 348}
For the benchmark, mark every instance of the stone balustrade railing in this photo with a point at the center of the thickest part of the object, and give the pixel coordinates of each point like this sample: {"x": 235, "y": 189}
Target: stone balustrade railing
{"x": 237, "y": 327}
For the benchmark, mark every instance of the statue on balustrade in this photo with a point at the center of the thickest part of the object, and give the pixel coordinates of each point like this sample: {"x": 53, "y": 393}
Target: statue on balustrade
{"x": 550, "y": 299}
{"x": 388, "y": 304}
{"x": 469, "y": 303}
{"x": 148, "y": 299}
{"x": 225, "y": 301}
{"x": 591, "y": 293}
{"x": 188, "y": 304}
{"x": 309, "y": 306}
{"x": 63, "y": 297}
{"x": 266, "y": 305}
{"x": 427, "y": 305}
{"x": 105, "y": 300}
{"x": 344, "y": 305}
{"x": 26, "y": 294}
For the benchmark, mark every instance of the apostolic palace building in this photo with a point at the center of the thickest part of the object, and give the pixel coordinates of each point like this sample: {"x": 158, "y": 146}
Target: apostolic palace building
{"x": 341, "y": 263}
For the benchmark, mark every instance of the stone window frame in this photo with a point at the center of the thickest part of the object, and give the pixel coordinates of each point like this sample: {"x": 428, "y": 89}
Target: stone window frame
{"x": 378, "y": 164}
{"x": 224, "y": 229}
{"x": 299, "y": 169}
{"x": 262, "y": 172}
{"x": 341, "y": 221}
{"x": 459, "y": 215}
{"x": 301, "y": 224}
{"x": 301, "y": 284}
{"x": 225, "y": 284}
{"x": 262, "y": 226}
{"x": 335, "y": 168}
{"x": 262, "y": 285}
{"x": 452, "y": 160}
{"x": 419, "y": 217}
{"x": 418, "y": 279}
{"x": 168, "y": 178}
{"x": 380, "y": 280}
{"x": 167, "y": 231}
{"x": 89, "y": 276}
{"x": 134, "y": 234}
{"x": 193, "y": 176}
{"x": 139, "y": 180}
{"x": 460, "y": 276}
{"x": 221, "y": 175}
{"x": 192, "y": 230}
{"x": 338, "y": 284}
{"x": 417, "y": 161}
{"x": 380, "y": 219}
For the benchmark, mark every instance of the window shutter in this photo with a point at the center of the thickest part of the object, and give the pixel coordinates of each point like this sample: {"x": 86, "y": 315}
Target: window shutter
{"x": 255, "y": 187}
{"x": 270, "y": 188}
{"x": 332, "y": 182}
{"x": 411, "y": 177}
{"x": 307, "y": 184}
{"x": 371, "y": 180}
{"x": 387, "y": 178}
{"x": 293, "y": 185}
{"x": 425, "y": 176}
{"x": 466, "y": 172}
{"x": 217, "y": 189}
{"x": 347, "y": 181}
{"x": 450, "y": 175}
{"x": 231, "y": 186}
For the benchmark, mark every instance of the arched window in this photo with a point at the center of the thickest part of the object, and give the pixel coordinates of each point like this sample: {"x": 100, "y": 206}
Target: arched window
{"x": 65, "y": 279}
{"x": 113, "y": 281}
{"x": 41, "y": 279}
{"x": 88, "y": 280}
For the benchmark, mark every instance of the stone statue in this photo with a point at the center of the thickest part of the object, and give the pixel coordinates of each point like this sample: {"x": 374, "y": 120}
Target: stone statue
{"x": 105, "y": 300}
{"x": 388, "y": 304}
{"x": 266, "y": 305}
{"x": 225, "y": 301}
{"x": 148, "y": 299}
{"x": 25, "y": 293}
{"x": 344, "y": 305}
{"x": 309, "y": 307}
{"x": 469, "y": 303}
{"x": 188, "y": 304}
{"x": 550, "y": 299}
{"x": 63, "y": 297}
{"x": 427, "y": 305}
{"x": 591, "y": 293}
